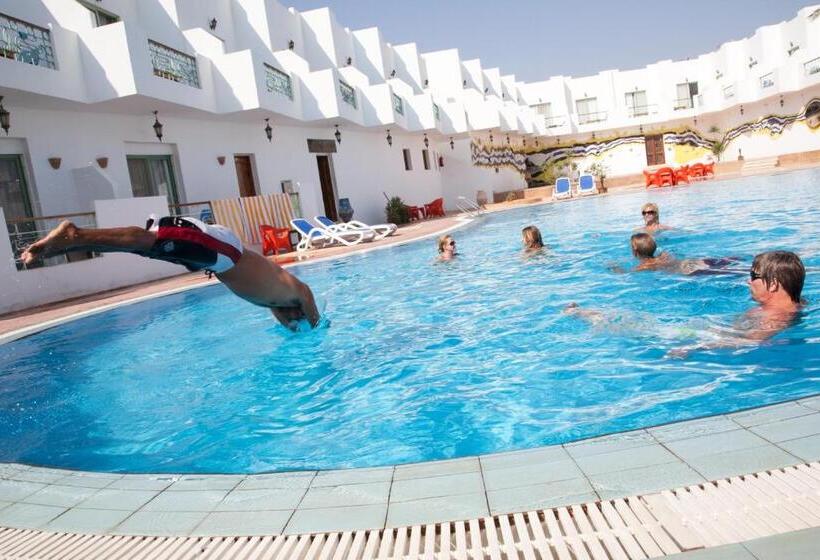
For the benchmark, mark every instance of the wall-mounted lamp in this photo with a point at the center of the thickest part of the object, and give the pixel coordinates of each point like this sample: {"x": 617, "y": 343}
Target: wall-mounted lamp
{"x": 426, "y": 141}
{"x": 752, "y": 62}
{"x": 741, "y": 109}
{"x": 268, "y": 129}
{"x": 557, "y": 140}
{"x": 220, "y": 160}
{"x": 291, "y": 44}
{"x": 55, "y": 162}
{"x": 452, "y": 144}
{"x": 491, "y": 137}
{"x": 718, "y": 74}
{"x": 349, "y": 60}
{"x": 486, "y": 89}
{"x": 593, "y": 136}
{"x": 393, "y": 74}
{"x": 781, "y": 100}
{"x": 524, "y": 142}
{"x": 102, "y": 162}
{"x": 537, "y": 143}
{"x": 5, "y": 118}
{"x": 792, "y": 48}
{"x": 157, "y": 126}
{"x": 389, "y": 138}
{"x": 695, "y": 120}
{"x": 508, "y": 139}
{"x": 496, "y": 170}
{"x": 426, "y": 83}
{"x": 464, "y": 83}
{"x": 640, "y": 128}
{"x": 212, "y": 23}
{"x": 338, "y": 135}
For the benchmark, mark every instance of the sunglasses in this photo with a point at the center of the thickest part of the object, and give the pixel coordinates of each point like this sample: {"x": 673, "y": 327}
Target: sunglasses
{"x": 452, "y": 243}
{"x": 754, "y": 276}
{"x": 648, "y": 212}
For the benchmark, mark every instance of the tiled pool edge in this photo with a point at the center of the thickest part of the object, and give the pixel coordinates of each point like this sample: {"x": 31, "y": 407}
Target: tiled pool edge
{"x": 630, "y": 463}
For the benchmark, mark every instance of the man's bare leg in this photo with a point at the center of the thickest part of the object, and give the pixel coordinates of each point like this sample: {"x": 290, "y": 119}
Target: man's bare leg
{"x": 68, "y": 237}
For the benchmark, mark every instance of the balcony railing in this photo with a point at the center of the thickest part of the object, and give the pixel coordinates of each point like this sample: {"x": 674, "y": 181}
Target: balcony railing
{"x": 173, "y": 65}
{"x": 812, "y": 66}
{"x": 398, "y": 104}
{"x": 348, "y": 93}
{"x": 641, "y": 110}
{"x": 277, "y": 81}
{"x": 25, "y": 42}
{"x": 767, "y": 80}
{"x": 683, "y": 103}
{"x": 25, "y": 231}
{"x": 200, "y": 210}
{"x": 587, "y": 118}
{"x": 729, "y": 92}
{"x": 436, "y": 112}
{"x": 554, "y": 122}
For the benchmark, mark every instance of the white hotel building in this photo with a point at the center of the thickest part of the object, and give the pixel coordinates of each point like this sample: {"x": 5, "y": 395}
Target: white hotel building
{"x": 82, "y": 80}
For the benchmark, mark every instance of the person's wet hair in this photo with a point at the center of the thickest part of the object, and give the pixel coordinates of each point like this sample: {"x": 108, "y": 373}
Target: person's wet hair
{"x": 532, "y": 237}
{"x": 643, "y": 245}
{"x": 783, "y": 267}
{"x": 651, "y": 207}
{"x": 444, "y": 242}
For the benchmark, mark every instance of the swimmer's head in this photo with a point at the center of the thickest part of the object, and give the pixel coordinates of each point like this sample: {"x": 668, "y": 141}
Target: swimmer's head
{"x": 446, "y": 243}
{"x": 643, "y": 246}
{"x": 532, "y": 237}
{"x": 651, "y": 213}
{"x": 779, "y": 269}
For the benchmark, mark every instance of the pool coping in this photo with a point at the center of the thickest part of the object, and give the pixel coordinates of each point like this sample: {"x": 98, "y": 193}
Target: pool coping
{"x": 613, "y": 466}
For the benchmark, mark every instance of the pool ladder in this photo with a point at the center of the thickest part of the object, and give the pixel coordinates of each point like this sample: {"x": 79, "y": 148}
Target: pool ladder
{"x": 469, "y": 207}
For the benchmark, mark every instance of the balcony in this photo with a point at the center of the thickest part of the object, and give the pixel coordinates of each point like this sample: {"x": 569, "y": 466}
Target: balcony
{"x": 812, "y": 66}
{"x": 398, "y": 104}
{"x": 348, "y": 94}
{"x": 767, "y": 80}
{"x": 683, "y": 103}
{"x": 593, "y": 117}
{"x": 641, "y": 110}
{"x": 26, "y": 43}
{"x": 555, "y": 122}
{"x": 173, "y": 65}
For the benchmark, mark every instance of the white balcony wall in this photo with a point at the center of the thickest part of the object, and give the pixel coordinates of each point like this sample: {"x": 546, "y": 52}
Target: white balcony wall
{"x": 481, "y": 114}
{"x": 377, "y": 105}
{"x": 106, "y": 60}
{"x": 443, "y": 70}
{"x": 406, "y": 64}
{"x": 320, "y": 99}
{"x": 368, "y": 53}
{"x": 453, "y": 118}
{"x": 420, "y": 115}
{"x": 492, "y": 82}
{"x": 471, "y": 72}
{"x": 318, "y": 36}
{"x": 194, "y": 14}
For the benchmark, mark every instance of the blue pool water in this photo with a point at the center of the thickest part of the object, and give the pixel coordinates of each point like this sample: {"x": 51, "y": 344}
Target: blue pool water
{"x": 427, "y": 361}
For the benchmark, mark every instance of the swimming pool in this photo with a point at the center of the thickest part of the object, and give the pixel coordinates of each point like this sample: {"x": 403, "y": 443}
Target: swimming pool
{"x": 427, "y": 361}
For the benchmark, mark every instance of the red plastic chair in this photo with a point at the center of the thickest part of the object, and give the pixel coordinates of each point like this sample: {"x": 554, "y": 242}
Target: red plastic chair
{"x": 274, "y": 239}
{"x": 415, "y": 212}
{"x": 666, "y": 177}
{"x": 696, "y": 171}
{"x": 682, "y": 175}
{"x": 435, "y": 208}
{"x": 709, "y": 169}
{"x": 651, "y": 179}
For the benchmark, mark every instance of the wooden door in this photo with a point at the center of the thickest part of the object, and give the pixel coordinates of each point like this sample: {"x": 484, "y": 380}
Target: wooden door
{"x": 326, "y": 180}
{"x": 244, "y": 175}
{"x": 654, "y": 149}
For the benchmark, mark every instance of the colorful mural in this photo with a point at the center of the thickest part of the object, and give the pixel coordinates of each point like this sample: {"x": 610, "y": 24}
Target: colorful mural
{"x": 497, "y": 156}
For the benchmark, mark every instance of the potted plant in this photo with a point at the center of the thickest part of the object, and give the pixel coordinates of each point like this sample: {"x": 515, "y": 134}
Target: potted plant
{"x": 396, "y": 211}
{"x": 598, "y": 169}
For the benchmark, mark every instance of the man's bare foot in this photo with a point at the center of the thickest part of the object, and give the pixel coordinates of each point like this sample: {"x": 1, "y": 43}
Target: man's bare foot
{"x": 56, "y": 241}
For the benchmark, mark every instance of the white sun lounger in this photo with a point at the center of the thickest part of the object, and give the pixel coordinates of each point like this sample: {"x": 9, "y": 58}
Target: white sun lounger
{"x": 379, "y": 231}
{"x": 319, "y": 236}
{"x": 586, "y": 185}
{"x": 562, "y": 188}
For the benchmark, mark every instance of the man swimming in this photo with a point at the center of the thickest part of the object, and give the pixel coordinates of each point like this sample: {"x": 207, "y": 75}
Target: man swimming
{"x": 644, "y": 248}
{"x": 196, "y": 246}
{"x": 652, "y": 219}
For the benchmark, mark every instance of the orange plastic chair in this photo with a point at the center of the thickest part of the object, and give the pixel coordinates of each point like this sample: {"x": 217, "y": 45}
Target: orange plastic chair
{"x": 709, "y": 169}
{"x": 415, "y": 212}
{"x": 696, "y": 171}
{"x": 435, "y": 208}
{"x": 666, "y": 177}
{"x": 651, "y": 179}
{"x": 682, "y": 175}
{"x": 274, "y": 239}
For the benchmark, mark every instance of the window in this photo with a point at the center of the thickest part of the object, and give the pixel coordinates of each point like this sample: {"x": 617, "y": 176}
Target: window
{"x": 173, "y": 65}
{"x": 767, "y": 80}
{"x": 398, "y": 104}
{"x": 729, "y": 91}
{"x": 636, "y": 105}
{"x": 588, "y": 110}
{"x": 278, "y": 82}
{"x": 425, "y": 157}
{"x": 543, "y": 109}
{"x": 408, "y": 161}
{"x": 153, "y": 176}
{"x": 99, "y": 17}
{"x": 812, "y": 66}
{"x": 25, "y": 42}
{"x": 686, "y": 93}
{"x": 348, "y": 93}
{"x": 14, "y": 197}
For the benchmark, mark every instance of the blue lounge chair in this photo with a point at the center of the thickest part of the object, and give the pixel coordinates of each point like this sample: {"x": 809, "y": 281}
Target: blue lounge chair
{"x": 319, "y": 236}
{"x": 562, "y": 188}
{"x": 379, "y": 231}
{"x": 586, "y": 185}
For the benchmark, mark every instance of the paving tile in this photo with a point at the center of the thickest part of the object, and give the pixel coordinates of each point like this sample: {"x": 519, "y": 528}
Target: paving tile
{"x": 744, "y": 461}
{"x": 15, "y": 491}
{"x": 347, "y": 495}
{"x": 61, "y": 496}
{"x": 448, "y": 508}
{"x": 725, "y": 552}
{"x": 160, "y": 523}
{"x": 43, "y": 476}
{"x": 448, "y": 485}
{"x": 4, "y": 504}
{"x": 437, "y": 468}
{"x": 797, "y": 545}
{"x": 609, "y": 444}
{"x": 115, "y": 499}
{"x": 81, "y": 520}
{"x": 768, "y": 414}
{"x": 807, "y": 449}
{"x": 792, "y": 428}
{"x": 626, "y": 459}
{"x": 353, "y": 476}
{"x": 337, "y": 519}
{"x": 643, "y": 480}
{"x": 241, "y": 523}
{"x": 277, "y": 480}
{"x": 28, "y": 516}
{"x": 811, "y": 402}
{"x": 538, "y": 456}
{"x": 259, "y": 500}
{"x": 541, "y": 496}
{"x": 83, "y": 480}
{"x": 210, "y": 482}
{"x": 194, "y": 500}
{"x": 693, "y": 428}
{"x": 132, "y": 482}
{"x": 9, "y": 470}
{"x": 714, "y": 443}
{"x": 528, "y": 475}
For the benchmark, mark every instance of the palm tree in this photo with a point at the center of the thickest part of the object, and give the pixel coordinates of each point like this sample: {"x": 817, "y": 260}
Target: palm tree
{"x": 719, "y": 146}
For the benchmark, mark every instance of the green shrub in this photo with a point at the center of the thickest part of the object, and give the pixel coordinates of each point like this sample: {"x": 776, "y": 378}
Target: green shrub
{"x": 397, "y": 211}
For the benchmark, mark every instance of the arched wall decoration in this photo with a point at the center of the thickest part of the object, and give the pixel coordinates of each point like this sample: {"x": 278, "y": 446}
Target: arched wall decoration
{"x": 495, "y": 156}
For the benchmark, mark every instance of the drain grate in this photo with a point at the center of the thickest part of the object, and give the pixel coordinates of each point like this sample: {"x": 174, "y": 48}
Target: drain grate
{"x": 710, "y": 514}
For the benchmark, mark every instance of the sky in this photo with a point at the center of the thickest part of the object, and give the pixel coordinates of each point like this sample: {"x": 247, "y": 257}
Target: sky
{"x": 536, "y": 39}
